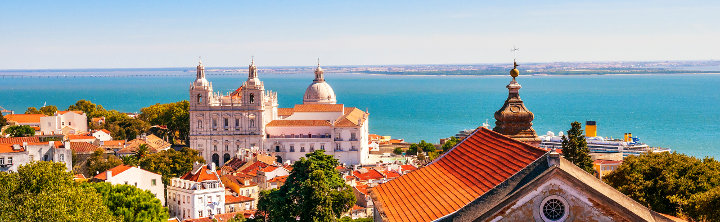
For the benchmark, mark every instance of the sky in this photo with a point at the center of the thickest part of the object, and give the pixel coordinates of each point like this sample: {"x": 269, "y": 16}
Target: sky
{"x": 139, "y": 34}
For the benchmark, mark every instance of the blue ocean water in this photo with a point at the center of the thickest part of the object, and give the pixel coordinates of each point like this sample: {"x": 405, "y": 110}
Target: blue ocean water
{"x": 681, "y": 112}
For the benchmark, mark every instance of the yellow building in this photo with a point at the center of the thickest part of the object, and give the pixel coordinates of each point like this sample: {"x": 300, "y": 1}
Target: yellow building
{"x": 604, "y": 167}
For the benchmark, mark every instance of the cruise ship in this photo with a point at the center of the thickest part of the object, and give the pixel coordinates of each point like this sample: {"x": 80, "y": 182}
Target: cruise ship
{"x": 629, "y": 145}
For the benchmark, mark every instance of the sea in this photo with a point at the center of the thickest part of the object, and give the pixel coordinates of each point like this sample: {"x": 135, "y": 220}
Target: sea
{"x": 676, "y": 111}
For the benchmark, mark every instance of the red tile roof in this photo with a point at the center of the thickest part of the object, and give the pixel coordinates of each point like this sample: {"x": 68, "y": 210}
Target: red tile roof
{"x": 83, "y": 147}
{"x": 476, "y": 165}
{"x": 230, "y": 199}
{"x": 408, "y": 167}
{"x": 352, "y": 117}
{"x": 285, "y": 111}
{"x": 362, "y": 188}
{"x": 374, "y": 137}
{"x": 106, "y": 131}
{"x": 114, "y": 143}
{"x": 8, "y": 148}
{"x": 202, "y": 175}
{"x": 80, "y": 137}
{"x": 115, "y": 171}
{"x": 284, "y": 122}
{"x": 24, "y": 118}
{"x": 318, "y": 108}
{"x": 20, "y": 140}
{"x": 391, "y": 174}
{"x": 268, "y": 169}
{"x": 253, "y": 168}
{"x": 280, "y": 179}
{"x": 221, "y": 217}
{"x": 75, "y": 111}
{"x": 371, "y": 174}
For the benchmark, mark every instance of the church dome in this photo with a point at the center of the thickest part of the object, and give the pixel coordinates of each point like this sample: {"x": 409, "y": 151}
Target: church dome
{"x": 319, "y": 92}
{"x": 201, "y": 82}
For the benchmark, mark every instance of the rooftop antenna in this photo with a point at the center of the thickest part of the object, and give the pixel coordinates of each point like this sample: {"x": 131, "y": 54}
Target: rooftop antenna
{"x": 200, "y": 59}
{"x": 318, "y": 61}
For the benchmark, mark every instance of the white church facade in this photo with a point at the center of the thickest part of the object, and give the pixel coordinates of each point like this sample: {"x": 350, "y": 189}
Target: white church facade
{"x": 248, "y": 120}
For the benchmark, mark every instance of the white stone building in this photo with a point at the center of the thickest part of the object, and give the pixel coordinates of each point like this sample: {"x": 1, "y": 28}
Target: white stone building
{"x": 64, "y": 122}
{"x": 249, "y": 120}
{"x": 137, "y": 177}
{"x": 13, "y": 155}
{"x": 199, "y": 193}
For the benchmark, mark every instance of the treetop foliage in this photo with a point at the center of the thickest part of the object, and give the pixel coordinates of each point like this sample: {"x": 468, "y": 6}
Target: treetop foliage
{"x": 170, "y": 163}
{"x": 20, "y": 131}
{"x": 130, "y": 203}
{"x": 314, "y": 191}
{"x": 671, "y": 183}
{"x": 575, "y": 148}
{"x": 44, "y": 191}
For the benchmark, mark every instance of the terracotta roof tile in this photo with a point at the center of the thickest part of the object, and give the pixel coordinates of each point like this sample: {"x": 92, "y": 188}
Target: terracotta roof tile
{"x": 281, "y": 179}
{"x": 285, "y": 111}
{"x": 202, "y": 175}
{"x": 362, "y": 188}
{"x": 268, "y": 169}
{"x": 391, "y": 174}
{"x": 75, "y": 111}
{"x": 114, "y": 143}
{"x": 408, "y": 167}
{"x": 371, "y": 174}
{"x": 20, "y": 140}
{"x": 24, "y": 118}
{"x": 318, "y": 108}
{"x": 283, "y": 122}
{"x": 220, "y": 217}
{"x": 80, "y": 137}
{"x": 476, "y": 165}
{"x": 83, "y": 147}
{"x": 115, "y": 171}
{"x": 352, "y": 117}
{"x": 8, "y": 148}
{"x": 230, "y": 199}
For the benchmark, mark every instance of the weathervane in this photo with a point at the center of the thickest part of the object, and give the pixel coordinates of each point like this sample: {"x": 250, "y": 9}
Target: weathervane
{"x": 514, "y": 51}
{"x": 200, "y": 59}
{"x": 318, "y": 61}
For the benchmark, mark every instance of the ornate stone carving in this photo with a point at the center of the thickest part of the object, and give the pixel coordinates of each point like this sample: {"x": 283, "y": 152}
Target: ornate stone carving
{"x": 514, "y": 119}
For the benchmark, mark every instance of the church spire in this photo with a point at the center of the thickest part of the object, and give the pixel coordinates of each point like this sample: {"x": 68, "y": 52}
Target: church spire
{"x": 514, "y": 119}
{"x": 200, "y": 69}
{"x": 319, "y": 73}
{"x": 252, "y": 69}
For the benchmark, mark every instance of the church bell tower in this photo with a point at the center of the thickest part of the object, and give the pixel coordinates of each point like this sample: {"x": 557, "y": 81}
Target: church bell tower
{"x": 514, "y": 119}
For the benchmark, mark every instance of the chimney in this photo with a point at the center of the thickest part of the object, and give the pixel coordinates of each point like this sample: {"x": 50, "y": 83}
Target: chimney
{"x": 553, "y": 158}
{"x": 109, "y": 175}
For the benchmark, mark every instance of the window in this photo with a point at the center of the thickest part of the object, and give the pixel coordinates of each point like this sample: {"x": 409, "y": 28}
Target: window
{"x": 214, "y": 123}
{"x": 63, "y": 123}
{"x": 227, "y": 147}
{"x": 237, "y": 123}
{"x": 153, "y": 182}
{"x": 209, "y": 212}
{"x": 302, "y": 148}
{"x": 226, "y": 122}
{"x": 277, "y": 148}
{"x": 199, "y": 124}
{"x": 199, "y": 98}
{"x": 2, "y": 161}
{"x": 252, "y": 98}
{"x": 554, "y": 208}
{"x": 200, "y": 213}
{"x": 69, "y": 123}
{"x": 337, "y": 147}
{"x": 292, "y": 148}
{"x": 135, "y": 184}
{"x": 214, "y": 147}
{"x": 322, "y": 146}
{"x": 62, "y": 157}
{"x": 9, "y": 162}
{"x": 252, "y": 123}
{"x": 45, "y": 158}
{"x": 126, "y": 183}
{"x": 312, "y": 147}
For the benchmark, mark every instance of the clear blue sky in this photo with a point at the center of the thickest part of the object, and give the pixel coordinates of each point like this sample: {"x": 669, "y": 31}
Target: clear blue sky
{"x": 118, "y": 34}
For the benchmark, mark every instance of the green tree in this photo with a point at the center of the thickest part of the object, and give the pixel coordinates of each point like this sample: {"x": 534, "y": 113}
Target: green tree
{"x": 170, "y": 163}
{"x": 3, "y": 121}
{"x": 348, "y": 219}
{"x": 575, "y": 148}
{"x": 397, "y": 151}
{"x": 141, "y": 151}
{"x": 129, "y": 202}
{"x": 173, "y": 115}
{"x": 44, "y": 191}
{"x": 99, "y": 162}
{"x": 667, "y": 182}
{"x": 426, "y": 147}
{"x": 130, "y": 160}
{"x": 450, "y": 143}
{"x": 20, "y": 131}
{"x": 32, "y": 110}
{"x": 90, "y": 109}
{"x": 314, "y": 191}
{"x": 704, "y": 206}
{"x": 48, "y": 110}
{"x": 237, "y": 218}
{"x": 413, "y": 149}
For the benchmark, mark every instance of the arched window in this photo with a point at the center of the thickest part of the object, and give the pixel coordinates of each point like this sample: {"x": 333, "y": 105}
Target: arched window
{"x": 199, "y": 98}
{"x": 214, "y": 147}
{"x": 252, "y": 123}
{"x": 277, "y": 148}
{"x": 252, "y": 98}
{"x": 199, "y": 124}
{"x": 226, "y": 157}
{"x": 216, "y": 159}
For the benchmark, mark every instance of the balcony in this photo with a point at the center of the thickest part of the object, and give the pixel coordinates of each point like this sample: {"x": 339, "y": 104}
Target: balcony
{"x": 338, "y": 139}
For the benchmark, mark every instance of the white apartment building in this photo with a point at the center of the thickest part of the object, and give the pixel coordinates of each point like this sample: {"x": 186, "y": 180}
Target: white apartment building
{"x": 199, "y": 193}
{"x": 64, "y": 122}
{"x": 137, "y": 177}
{"x": 249, "y": 120}
{"x": 14, "y": 155}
